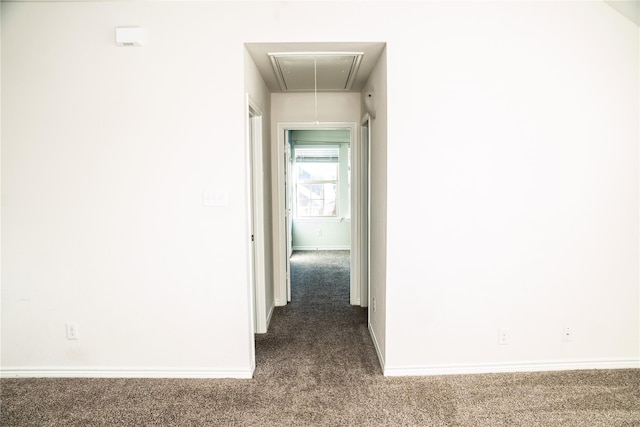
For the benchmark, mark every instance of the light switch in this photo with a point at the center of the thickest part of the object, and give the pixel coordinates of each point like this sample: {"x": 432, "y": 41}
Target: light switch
{"x": 214, "y": 198}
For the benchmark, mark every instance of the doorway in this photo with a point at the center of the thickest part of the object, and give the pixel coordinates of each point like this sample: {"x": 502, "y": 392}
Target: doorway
{"x": 325, "y": 207}
{"x": 311, "y": 106}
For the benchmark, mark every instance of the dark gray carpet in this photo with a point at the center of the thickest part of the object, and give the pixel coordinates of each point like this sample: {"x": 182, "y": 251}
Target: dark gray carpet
{"x": 317, "y": 367}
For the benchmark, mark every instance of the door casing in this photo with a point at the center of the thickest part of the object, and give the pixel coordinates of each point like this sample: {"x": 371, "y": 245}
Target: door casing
{"x": 255, "y": 181}
{"x": 364, "y": 206}
{"x": 282, "y": 284}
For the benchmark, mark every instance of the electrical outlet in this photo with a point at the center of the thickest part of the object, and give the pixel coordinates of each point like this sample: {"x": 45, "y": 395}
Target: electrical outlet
{"x": 566, "y": 334}
{"x": 503, "y": 337}
{"x": 72, "y": 331}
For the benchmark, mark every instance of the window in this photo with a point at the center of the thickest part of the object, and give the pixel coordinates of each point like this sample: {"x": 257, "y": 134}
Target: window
{"x": 316, "y": 181}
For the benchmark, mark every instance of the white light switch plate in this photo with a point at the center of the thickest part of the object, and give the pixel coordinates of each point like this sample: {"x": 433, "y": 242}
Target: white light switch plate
{"x": 214, "y": 198}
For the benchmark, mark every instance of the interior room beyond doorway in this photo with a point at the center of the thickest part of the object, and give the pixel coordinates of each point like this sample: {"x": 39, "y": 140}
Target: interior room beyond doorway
{"x": 320, "y": 189}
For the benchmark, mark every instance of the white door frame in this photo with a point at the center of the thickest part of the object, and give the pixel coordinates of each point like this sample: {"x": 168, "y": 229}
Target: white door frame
{"x": 364, "y": 206}
{"x": 255, "y": 180}
{"x": 288, "y": 211}
{"x": 281, "y": 258}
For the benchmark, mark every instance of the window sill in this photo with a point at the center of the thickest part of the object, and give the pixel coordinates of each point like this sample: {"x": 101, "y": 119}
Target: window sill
{"x": 321, "y": 219}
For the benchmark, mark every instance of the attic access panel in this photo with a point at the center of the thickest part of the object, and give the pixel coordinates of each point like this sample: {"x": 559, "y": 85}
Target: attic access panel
{"x": 300, "y": 71}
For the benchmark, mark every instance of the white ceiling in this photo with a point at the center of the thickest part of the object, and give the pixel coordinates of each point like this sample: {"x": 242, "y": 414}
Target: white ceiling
{"x": 330, "y": 76}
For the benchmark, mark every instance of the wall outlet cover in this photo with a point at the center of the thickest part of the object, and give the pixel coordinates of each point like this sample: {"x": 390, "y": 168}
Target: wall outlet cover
{"x": 72, "y": 331}
{"x": 503, "y": 336}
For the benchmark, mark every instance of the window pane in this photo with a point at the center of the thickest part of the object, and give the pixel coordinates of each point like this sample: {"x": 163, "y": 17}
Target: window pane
{"x": 317, "y": 199}
{"x": 330, "y": 194}
{"x": 317, "y": 171}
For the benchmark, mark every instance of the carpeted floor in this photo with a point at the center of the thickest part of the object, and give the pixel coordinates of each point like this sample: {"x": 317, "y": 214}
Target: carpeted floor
{"x": 317, "y": 367}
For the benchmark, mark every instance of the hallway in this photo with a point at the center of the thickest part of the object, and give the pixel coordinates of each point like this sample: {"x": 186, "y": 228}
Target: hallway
{"x": 318, "y": 334}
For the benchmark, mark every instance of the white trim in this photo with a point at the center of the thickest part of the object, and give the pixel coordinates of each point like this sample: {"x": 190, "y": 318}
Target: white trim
{"x": 354, "y": 198}
{"x": 270, "y": 315}
{"x": 534, "y": 366}
{"x": 254, "y": 166}
{"x": 322, "y": 219}
{"x": 122, "y": 373}
{"x": 322, "y": 248}
{"x": 364, "y": 211}
{"x": 378, "y": 350}
{"x": 248, "y": 226}
{"x": 280, "y": 255}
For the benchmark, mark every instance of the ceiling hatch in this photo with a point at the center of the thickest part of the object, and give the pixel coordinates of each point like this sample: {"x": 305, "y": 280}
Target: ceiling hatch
{"x": 321, "y": 71}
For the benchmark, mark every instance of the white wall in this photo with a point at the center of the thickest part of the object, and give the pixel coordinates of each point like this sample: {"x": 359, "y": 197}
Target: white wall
{"x": 0, "y": 184}
{"x": 299, "y": 107}
{"x": 311, "y": 235}
{"x": 106, "y": 154}
{"x": 518, "y": 204}
{"x": 521, "y": 120}
{"x": 378, "y": 207}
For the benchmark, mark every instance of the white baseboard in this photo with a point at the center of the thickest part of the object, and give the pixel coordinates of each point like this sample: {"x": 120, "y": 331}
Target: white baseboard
{"x": 269, "y": 315}
{"x": 121, "y": 373}
{"x": 542, "y": 366}
{"x": 321, "y": 248}
{"x": 377, "y": 347}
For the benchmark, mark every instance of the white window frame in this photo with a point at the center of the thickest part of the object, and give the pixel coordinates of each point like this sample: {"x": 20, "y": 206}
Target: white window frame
{"x": 336, "y": 182}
